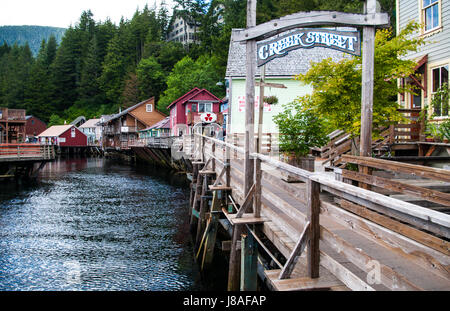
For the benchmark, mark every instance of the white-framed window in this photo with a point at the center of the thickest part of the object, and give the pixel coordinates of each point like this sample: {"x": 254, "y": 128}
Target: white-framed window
{"x": 204, "y": 107}
{"x": 439, "y": 77}
{"x": 149, "y": 108}
{"x": 72, "y": 132}
{"x": 430, "y": 14}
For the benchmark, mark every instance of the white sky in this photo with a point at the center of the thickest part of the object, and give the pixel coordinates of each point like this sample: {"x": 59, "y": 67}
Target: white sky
{"x": 63, "y": 13}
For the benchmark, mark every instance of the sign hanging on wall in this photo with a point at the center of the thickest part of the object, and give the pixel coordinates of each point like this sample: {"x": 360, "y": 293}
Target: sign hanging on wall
{"x": 345, "y": 41}
{"x": 208, "y": 117}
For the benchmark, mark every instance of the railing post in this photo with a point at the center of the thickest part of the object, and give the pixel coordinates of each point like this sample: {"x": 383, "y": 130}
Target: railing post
{"x": 258, "y": 176}
{"x": 313, "y": 210}
{"x": 213, "y": 160}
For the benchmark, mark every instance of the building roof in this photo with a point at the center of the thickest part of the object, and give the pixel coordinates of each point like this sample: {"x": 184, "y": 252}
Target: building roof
{"x": 129, "y": 110}
{"x": 55, "y": 130}
{"x": 295, "y": 62}
{"x": 90, "y": 123}
{"x": 189, "y": 96}
{"x": 163, "y": 124}
{"x": 80, "y": 120}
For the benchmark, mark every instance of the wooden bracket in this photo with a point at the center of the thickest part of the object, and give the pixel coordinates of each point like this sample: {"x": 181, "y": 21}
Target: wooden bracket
{"x": 296, "y": 253}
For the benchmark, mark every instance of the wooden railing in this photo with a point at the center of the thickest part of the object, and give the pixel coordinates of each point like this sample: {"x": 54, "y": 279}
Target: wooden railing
{"x": 26, "y": 151}
{"x": 409, "y": 131}
{"x": 269, "y": 141}
{"x": 12, "y": 114}
{"x": 373, "y": 215}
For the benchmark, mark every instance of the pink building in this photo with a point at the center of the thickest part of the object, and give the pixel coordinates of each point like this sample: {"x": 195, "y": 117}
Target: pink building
{"x": 188, "y": 108}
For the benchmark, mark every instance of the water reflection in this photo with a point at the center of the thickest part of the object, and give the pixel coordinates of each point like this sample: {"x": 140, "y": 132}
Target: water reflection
{"x": 91, "y": 224}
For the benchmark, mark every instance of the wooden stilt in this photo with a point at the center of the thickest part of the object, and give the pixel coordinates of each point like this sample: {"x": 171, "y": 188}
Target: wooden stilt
{"x": 203, "y": 208}
{"x": 208, "y": 252}
{"x": 249, "y": 262}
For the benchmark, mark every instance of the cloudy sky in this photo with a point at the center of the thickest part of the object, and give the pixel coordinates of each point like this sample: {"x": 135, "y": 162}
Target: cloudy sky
{"x": 63, "y": 13}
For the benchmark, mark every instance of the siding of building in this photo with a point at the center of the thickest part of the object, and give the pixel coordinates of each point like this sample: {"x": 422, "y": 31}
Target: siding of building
{"x": 80, "y": 138}
{"x": 437, "y": 45}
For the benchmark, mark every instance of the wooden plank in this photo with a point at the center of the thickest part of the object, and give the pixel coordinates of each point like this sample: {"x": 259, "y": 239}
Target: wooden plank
{"x": 207, "y": 172}
{"x": 219, "y": 188}
{"x": 389, "y": 184}
{"x": 417, "y": 170}
{"x": 343, "y": 274}
{"x": 296, "y": 253}
{"x": 301, "y": 283}
{"x": 308, "y": 19}
{"x": 389, "y": 277}
{"x": 422, "y": 217}
{"x": 391, "y": 224}
{"x": 246, "y": 219}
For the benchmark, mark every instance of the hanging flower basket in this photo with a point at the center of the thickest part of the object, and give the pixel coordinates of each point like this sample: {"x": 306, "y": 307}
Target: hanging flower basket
{"x": 271, "y": 100}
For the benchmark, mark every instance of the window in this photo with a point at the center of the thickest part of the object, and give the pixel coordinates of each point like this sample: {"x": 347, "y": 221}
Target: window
{"x": 194, "y": 107}
{"x": 439, "y": 79}
{"x": 206, "y": 107}
{"x": 149, "y": 108}
{"x": 430, "y": 14}
{"x": 73, "y": 132}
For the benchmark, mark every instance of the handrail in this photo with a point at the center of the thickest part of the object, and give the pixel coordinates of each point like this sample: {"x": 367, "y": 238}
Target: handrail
{"x": 392, "y": 203}
{"x": 410, "y": 209}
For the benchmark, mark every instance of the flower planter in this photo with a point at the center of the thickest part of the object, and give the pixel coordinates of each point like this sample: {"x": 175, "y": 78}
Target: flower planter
{"x": 305, "y": 163}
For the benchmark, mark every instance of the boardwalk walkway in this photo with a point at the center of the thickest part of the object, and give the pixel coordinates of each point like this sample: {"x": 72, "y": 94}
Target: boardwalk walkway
{"x": 355, "y": 253}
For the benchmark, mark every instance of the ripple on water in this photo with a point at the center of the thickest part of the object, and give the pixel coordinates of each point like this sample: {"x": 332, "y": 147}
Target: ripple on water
{"x": 95, "y": 227}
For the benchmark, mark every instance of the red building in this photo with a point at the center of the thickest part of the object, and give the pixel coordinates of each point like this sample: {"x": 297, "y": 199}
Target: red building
{"x": 64, "y": 136}
{"x": 187, "y": 109}
{"x": 33, "y": 127}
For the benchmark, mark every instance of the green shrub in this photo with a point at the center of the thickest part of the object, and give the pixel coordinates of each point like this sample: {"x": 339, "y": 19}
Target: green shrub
{"x": 300, "y": 129}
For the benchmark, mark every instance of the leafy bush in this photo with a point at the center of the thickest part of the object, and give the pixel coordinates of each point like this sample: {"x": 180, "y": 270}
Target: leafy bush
{"x": 300, "y": 129}
{"x": 444, "y": 129}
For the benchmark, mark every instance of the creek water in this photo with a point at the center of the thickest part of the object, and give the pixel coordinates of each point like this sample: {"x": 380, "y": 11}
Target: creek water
{"x": 94, "y": 224}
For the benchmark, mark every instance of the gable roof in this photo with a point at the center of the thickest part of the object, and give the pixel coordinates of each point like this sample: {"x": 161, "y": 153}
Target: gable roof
{"x": 90, "y": 123}
{"x": 194, "y": 90}
{"x": 189, "y": 96}
{"x": 163, "y": 124}
{"x": 293, "y": 63}
{"x": 130, "y": 111}
{"x": 56, "y": 130}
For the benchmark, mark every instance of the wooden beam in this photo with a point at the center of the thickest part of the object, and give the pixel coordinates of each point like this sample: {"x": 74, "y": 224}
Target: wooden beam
{"x": 313, "y": 211}
{"x": 343, "y": 274}
{"x": 274, "y": 85}
{"x": 368, "y": 61}
{"x": 308, "y": 19}
{"x": 389, "y": 184}
{"x": 417, "y": 170}
{"x": 247, "y": 201}
{"x": 425, "y": 218}
{"x": 249, "y": 263}
{"x": 395, "y": 226}
{"x": 296, "y": 253}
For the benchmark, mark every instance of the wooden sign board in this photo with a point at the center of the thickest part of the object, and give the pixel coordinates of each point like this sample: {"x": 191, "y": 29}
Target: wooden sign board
{"x": 345, "y": 41}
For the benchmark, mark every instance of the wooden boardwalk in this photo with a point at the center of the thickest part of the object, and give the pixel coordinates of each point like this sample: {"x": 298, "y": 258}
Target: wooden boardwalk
{"x": 360, "y": 248}
{"x": 26, "y": 152}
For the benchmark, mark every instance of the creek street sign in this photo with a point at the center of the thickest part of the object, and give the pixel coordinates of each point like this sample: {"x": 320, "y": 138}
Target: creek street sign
{"x": 345, "y": 41}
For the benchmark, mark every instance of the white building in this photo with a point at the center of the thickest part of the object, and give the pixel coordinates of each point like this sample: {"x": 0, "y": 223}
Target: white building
{"x": 183, "y": 30}
{"x": 93, "y": 130}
